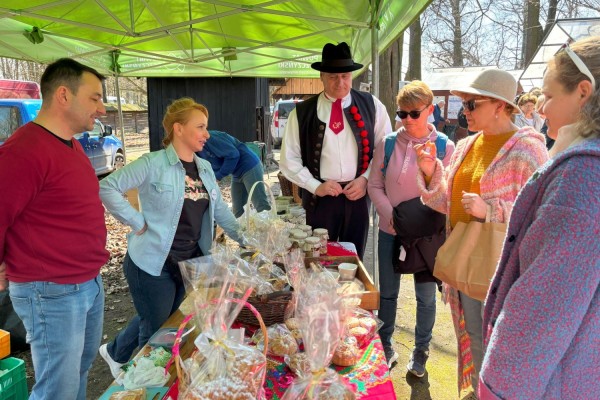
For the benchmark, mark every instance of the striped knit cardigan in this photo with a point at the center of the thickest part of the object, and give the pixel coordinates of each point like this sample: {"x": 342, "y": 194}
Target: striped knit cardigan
{"x": 515, "y": 162}
{"x": 542, "y": 314}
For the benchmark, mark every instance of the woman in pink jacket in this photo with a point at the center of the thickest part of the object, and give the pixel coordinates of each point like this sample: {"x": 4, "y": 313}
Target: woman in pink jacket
{"x": 486, "y": 172}
{"x": 542, "y": 313}
{"x": 398, "y": 185}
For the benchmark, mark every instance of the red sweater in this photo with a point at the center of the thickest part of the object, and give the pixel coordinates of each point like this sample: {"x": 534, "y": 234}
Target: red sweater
{"x": 51, "y": 217}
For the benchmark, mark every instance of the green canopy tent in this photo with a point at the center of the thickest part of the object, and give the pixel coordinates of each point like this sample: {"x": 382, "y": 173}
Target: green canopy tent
{"x": 199, "y": 38}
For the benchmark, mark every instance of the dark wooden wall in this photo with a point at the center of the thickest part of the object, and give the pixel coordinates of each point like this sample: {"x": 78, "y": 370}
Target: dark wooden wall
{"x": 134, "y": 121}
{"x": 231, "y": 104}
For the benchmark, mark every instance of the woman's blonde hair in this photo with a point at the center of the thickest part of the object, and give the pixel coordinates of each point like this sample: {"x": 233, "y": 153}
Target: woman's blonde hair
{"x": 569, "y": 76}
{"x": 527, "y": 98}
{"x": 413, "y": 94}
{"x": 179, "y": 112}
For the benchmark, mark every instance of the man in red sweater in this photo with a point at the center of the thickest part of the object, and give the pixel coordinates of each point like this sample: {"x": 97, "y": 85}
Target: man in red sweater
{"x": 52, "y": 231}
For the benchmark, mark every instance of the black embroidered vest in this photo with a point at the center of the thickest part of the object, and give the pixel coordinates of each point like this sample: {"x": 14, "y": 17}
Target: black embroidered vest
{"x": 311, "y": 132}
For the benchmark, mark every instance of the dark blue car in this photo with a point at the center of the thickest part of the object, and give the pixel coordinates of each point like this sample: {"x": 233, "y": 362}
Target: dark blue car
{"x": 104, "y": 150}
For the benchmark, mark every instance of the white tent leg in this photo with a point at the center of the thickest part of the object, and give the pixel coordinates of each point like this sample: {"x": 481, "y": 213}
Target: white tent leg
{"x": 120, "y": 111}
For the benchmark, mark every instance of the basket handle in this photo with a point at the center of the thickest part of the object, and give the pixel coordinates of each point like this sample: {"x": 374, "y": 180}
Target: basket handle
{"x": 176, "y": 356}
{"x": 247, "y": 206}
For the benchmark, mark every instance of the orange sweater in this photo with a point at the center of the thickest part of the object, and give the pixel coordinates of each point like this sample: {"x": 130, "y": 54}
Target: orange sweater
{"x": 468, "y": 175}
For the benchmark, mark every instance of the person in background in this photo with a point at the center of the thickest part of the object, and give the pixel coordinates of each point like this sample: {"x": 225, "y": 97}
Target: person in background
{"x": 438, "y": 115}
{"x": 229, "y": 156}
{"x": 52, "y": 231}
{"x": 397, "y": 185}
{"x": 486, "y": 172}
{"x": 542, "y": 315}
{"x": 180, "y": 203}
{"x": 528, "y": 116}
{"x": 328, "y": 146}
{"x": 539, "y": 105}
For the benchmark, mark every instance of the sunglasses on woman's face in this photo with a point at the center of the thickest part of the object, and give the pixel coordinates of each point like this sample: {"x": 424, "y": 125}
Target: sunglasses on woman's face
{"x": 471, "y": 105}
{"x": 414, "y": 114}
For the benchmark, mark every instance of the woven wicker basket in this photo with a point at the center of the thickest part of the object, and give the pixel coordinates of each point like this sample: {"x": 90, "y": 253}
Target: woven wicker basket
{"x": 271, "y": 308}
{"x": 288, "y": 188}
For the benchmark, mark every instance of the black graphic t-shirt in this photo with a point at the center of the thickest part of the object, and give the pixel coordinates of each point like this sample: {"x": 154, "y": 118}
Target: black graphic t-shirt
{"x": 195, "y": 204}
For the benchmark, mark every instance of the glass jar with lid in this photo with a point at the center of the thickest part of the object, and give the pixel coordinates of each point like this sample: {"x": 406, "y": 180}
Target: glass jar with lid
{"x": 312, "y": 247}
{"x": 297, "y": 237}
{"x": 323, "y": 236}
{"x": 306, "y": 228}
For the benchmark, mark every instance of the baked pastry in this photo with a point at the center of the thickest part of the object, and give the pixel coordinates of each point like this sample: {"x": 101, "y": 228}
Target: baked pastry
{"x": 297, "y": 334}
{"x": 298, "y": 363}
{"x": 292, "y": 323}
{"x": 361, "y": 334}
{"x": 352, "y": 322}
{"x": 136, "y": 394}
{"x": 369, "y": 324}
{"x": 283, "y": 344}
{"x": 347, "y": 352}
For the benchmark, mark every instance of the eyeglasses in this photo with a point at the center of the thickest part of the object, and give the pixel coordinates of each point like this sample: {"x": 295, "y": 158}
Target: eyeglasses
{"x": 471, "y": 105}
{"x": 578, "y": 63}
{"x": 414, "y": 114}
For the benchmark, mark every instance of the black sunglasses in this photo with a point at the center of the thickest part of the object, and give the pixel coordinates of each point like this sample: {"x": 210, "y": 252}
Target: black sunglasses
{"x": 472, "y": 104}
{"x": 414, "y": 114}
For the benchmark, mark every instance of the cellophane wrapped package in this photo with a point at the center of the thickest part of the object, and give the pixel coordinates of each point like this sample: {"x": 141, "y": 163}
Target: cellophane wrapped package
{"x": 320, "y": 314}
{"x": 220, "y": 367}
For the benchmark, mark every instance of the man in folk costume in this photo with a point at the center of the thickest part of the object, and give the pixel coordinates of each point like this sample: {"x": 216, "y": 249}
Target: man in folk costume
{"x": 328, "y": 146}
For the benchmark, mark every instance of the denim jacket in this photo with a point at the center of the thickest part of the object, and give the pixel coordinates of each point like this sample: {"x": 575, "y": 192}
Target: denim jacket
{"x": 159, "y": 177}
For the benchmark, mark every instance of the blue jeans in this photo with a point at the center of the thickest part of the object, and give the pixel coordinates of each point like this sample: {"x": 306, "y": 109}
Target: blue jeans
{"x": 389, "y": 287}
{"x": 155, "y": 298}
{"x": 64, "y": 329}
{"x": 240, "y": 188}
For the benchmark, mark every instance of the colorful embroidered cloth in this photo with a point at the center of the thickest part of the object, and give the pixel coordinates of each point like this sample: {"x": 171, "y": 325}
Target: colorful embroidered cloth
{"x": 369, "y": 378}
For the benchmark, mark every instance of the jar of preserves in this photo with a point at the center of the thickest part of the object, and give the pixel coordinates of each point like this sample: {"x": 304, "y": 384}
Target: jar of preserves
{"x": 312, "y": 247}
{"x": 323, "y": 236}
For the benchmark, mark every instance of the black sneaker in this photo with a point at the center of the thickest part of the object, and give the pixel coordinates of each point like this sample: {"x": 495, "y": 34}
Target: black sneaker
{"x": 391, "y": 356}
{"x": 416, "y": 365}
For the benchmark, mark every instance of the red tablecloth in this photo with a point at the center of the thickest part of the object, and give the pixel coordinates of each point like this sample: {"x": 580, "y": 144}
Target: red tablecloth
{"x": 369, "y": 378}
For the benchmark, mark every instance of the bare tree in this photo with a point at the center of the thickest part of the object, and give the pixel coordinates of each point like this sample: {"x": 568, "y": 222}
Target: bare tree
{"x": 532, "y": 30}
{"x": 389, "y": 75}
{"x": 414, "y": 51}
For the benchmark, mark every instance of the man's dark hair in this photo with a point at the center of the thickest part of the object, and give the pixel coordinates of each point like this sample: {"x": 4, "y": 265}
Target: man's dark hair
{"x": 64, "y": 72}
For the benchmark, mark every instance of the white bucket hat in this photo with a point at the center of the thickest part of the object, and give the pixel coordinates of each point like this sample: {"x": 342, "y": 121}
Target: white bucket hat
{"x": 493, "y": 83}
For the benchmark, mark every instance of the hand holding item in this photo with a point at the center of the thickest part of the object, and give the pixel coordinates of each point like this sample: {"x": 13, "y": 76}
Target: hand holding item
{"x": 474, "y": 205}
{"x": 356, "y": 189}
{"x": 426, "y": 154}
{"x": 329, "y": 188}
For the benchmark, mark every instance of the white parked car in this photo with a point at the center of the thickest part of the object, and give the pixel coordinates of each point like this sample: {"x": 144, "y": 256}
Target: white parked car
{"x": 281, "y": 111}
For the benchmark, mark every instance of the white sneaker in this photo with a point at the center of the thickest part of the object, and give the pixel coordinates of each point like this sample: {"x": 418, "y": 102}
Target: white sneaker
{"x": 115, "y": 367}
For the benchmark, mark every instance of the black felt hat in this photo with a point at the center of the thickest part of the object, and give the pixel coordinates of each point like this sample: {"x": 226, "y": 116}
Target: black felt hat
{"x": 336, "y": 59}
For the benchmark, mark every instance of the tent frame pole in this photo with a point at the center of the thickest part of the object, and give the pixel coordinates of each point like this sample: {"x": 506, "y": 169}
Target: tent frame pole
{"x": 375, "y": 92}
{"x": 120, "y": 112}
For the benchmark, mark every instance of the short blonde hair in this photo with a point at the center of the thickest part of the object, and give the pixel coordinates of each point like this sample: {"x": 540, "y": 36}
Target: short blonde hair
{"x": 179, "y": 112}
{"x": 413, "y": 94}
{"x": 527, "y": 98}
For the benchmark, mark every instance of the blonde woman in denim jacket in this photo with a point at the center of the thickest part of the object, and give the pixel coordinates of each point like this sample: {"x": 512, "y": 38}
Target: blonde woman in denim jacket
{"x": 180, "y": 202}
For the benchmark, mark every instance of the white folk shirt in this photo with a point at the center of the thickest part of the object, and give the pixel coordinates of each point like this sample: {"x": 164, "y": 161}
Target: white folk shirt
{"x": 339, "y": 155}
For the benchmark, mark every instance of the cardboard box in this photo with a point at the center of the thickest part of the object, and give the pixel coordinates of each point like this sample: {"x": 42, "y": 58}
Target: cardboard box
{"x": 4, "y": 343}
{"x": 370, "y": 300}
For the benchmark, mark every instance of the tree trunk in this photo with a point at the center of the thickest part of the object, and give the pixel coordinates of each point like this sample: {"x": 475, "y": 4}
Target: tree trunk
{"x": 532, "y": 31}
{"x": 389, "y": 73}
{"x": 414, "y": 51}
{"x": 457, "y": 54}
{"x": 552, "y": 7}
